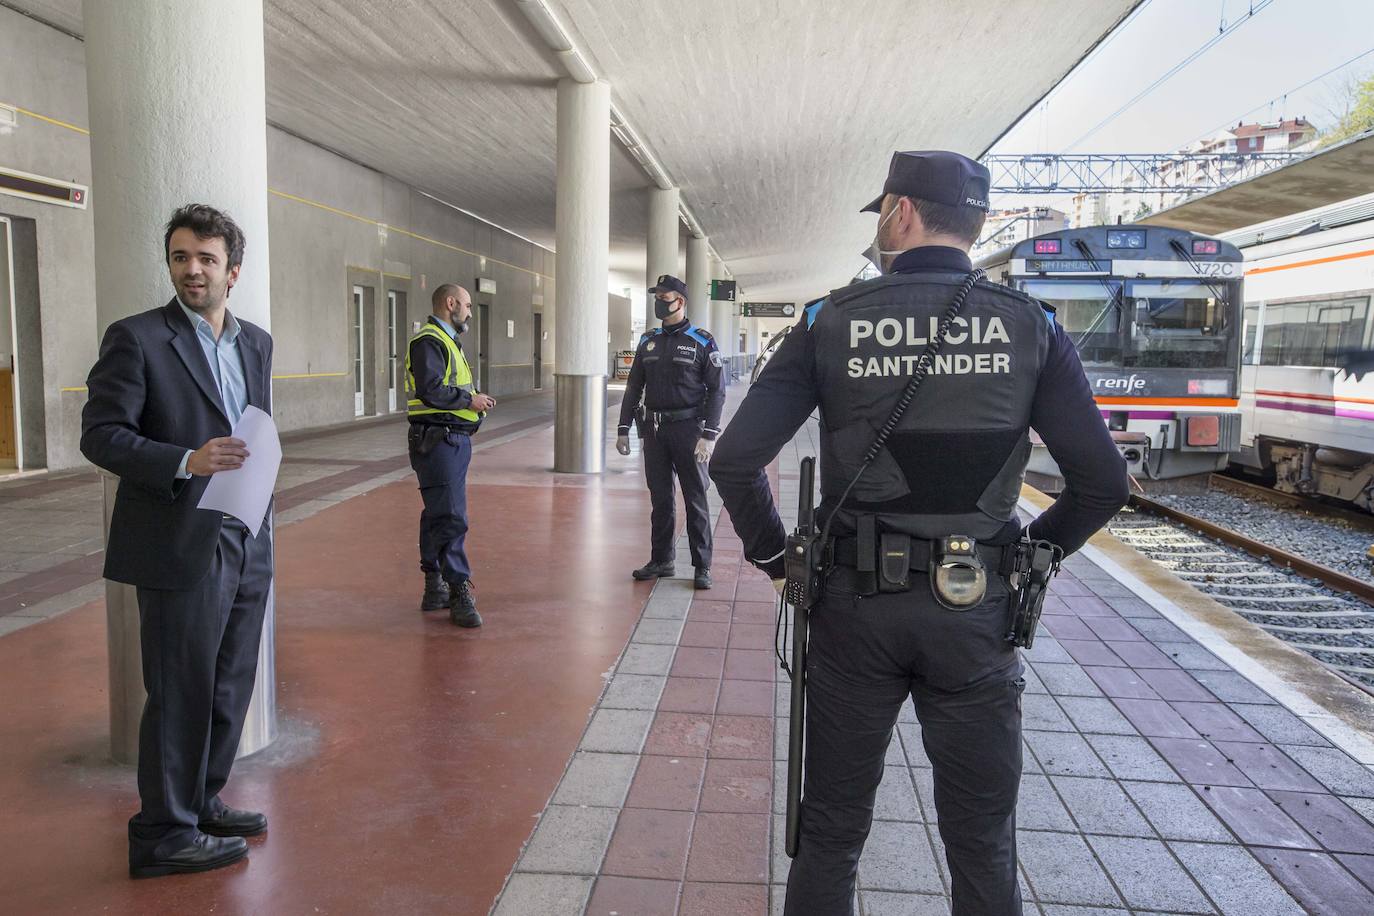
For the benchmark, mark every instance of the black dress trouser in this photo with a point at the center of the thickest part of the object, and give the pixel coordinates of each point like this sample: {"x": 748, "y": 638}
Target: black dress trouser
{"x": 866, "y": 656}
{"x": 668, "y": 451}
{"x": 200, "y": 659}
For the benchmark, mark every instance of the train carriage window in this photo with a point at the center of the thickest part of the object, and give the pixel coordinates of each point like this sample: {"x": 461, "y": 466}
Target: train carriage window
{"x": 1247, "y": 356}
{"x": 1313, "y": 332}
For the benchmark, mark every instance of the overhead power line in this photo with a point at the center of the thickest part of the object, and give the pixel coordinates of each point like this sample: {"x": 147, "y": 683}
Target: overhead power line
{"x": 1299, "y": 88}
{"x": 1175, "y": 69}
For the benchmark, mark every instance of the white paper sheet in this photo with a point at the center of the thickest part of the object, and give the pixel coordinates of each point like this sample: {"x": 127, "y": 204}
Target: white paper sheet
{"x": 245, "y": 492}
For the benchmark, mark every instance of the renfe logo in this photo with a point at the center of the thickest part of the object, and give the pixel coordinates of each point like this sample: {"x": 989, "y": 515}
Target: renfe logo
{"x": 1128, "y": 384}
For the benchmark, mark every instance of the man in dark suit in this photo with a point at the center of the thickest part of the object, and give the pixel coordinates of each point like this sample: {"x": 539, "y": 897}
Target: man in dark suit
{"x": 165, "y": 392}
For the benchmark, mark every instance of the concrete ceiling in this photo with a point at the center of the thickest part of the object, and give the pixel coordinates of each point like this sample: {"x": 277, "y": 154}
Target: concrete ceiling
{"x": 775, "y": 117}
{"x": 1336, "y": 174}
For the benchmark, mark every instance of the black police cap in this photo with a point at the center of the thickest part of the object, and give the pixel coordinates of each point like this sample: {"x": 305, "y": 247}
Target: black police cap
{"x": 669, "y": 284}
{"x": 938, "y": 176}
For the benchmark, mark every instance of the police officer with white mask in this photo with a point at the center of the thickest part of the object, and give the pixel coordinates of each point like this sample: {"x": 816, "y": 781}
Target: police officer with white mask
{"x": 922, "y": 551}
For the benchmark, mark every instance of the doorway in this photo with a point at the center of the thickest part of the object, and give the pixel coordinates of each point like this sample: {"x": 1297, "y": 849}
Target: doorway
{"x": 11, "y": 448}
{"x": 395, "y": 321}
{"x": 483, "y": 348}
{"x": 359, "y": 350}
{"x": 538, "y": 351}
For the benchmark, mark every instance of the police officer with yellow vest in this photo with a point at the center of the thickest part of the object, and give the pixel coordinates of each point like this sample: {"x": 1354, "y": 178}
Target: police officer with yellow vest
{"x": 923, "y": 566}
{"x": 444, "y": 412}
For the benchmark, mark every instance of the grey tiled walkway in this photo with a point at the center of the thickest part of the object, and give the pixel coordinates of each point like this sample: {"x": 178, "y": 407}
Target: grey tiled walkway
{"x": 1158, "y": 779}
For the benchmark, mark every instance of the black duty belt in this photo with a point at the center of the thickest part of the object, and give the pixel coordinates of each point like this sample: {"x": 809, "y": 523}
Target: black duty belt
{"x": 674, "y": 416}
{"x": 997, "y": 558}
{"x": 444, "y": 426}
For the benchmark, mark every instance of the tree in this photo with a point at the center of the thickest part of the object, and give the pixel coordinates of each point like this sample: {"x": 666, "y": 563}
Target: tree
{"x": 1355, "y": 111}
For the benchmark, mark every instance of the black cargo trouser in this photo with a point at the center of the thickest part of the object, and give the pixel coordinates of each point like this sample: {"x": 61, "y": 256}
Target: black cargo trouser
{"x": 866, "y": 656}
{"x": 668, "y": 451}
{"x": 440, "y": 458}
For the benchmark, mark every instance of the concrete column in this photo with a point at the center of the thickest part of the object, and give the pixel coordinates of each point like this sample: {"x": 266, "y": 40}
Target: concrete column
{"x": 582, "y": 223}
{"x": 178, "y": 116}
{"x": 662, "y": 244}
{"x": 698, "y": 282}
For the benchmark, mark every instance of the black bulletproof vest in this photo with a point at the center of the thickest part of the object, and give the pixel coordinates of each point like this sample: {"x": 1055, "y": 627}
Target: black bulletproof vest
{"x": 955, "y": 463}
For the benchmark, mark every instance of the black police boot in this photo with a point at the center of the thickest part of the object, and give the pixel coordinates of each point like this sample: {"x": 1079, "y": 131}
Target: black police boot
{"x": 462, "y": 606}
{"x": 436, "y": 593}
{"x": 654, "y": 570}
{"x": 702, "y": 579}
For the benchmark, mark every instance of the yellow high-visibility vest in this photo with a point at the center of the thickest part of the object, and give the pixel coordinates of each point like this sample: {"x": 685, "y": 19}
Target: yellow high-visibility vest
{"x": 457, "y": 374}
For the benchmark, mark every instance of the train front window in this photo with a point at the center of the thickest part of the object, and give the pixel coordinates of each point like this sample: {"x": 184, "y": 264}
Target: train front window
{"x": 1178, "y": 324}
{"x": 1089, "y": 311}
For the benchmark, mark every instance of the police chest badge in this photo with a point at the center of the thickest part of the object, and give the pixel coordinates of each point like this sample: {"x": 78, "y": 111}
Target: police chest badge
{"x": 717, "y": 358}
{"x": 649, "y": 348}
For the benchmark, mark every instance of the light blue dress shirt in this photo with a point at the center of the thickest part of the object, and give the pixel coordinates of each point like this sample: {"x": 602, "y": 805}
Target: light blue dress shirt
{"x": 226, "y": 364}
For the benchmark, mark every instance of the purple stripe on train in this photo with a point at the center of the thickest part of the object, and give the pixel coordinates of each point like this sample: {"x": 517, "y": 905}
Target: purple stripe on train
{"x": 1327, "y": 410}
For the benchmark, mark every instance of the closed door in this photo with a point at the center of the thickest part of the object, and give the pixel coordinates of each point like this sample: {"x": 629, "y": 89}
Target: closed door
{"x": 483, "y": 348}
{"x": 391, "y": 350}
{"x": 9, "y": 402}
{"x": 359, "y": 349}
{"x": 538, "y": 351}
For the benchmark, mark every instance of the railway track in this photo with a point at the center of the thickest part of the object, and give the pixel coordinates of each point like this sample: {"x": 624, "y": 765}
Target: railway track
{"x": 1320, "y": 610}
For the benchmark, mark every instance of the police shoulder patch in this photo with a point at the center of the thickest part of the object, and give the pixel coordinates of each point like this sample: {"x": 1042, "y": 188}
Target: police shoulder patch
{"x": 717, "y": 358}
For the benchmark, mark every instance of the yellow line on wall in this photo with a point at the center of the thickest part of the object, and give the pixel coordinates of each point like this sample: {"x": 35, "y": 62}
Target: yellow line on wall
{"x": 76, "y": 388}
{"x": 36, "y": 115}
{"x": 325, "y": 207}
{"x": 400, "y": 231}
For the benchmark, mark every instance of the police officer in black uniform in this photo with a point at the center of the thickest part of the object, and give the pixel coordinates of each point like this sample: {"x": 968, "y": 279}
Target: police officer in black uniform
{"x": 949, "y": 474}
{"x": 445, "y": 411}
{"x": 677, "y": 370}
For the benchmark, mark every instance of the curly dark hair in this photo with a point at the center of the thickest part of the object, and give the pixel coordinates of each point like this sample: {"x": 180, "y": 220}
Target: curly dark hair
{"x": 207, "y": 223}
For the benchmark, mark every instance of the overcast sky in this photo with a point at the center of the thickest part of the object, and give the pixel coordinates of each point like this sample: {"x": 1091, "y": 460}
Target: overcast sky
{"x": 1246, "y": 75}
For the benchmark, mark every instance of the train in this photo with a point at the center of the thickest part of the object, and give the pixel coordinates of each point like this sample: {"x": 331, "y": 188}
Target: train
{"x": 1307, "y": 411}
{"x": 1155, "y": 314}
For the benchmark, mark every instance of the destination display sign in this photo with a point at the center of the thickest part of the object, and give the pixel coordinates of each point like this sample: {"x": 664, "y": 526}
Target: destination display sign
{"x": 768, "y": 310}
{"x": 1066, "y": 266}
{"x": 1127, "y": 268}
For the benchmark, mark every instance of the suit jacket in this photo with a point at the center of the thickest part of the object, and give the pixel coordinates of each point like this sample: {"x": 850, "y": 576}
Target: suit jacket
{"x": 152, "y": 396}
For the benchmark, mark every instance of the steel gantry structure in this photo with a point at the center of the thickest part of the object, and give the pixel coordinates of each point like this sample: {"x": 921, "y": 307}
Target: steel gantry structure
{"x": 1089, "y": 173}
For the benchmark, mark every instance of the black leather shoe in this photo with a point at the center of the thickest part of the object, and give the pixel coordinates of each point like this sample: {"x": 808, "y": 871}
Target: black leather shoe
{"x": 652, "y": 570}
{"x": 205, "y": 853}
{"x": 462, "y": 606}
{"x": 233, "y": 822}
{"x": 702, "y": 579}
{"x": 436, "y": 593}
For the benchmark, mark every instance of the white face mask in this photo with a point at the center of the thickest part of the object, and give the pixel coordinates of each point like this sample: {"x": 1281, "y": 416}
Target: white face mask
{"x": 882, "y": 257}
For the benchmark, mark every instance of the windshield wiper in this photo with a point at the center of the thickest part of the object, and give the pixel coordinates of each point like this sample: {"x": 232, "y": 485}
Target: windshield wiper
{"x": 1114, "y": 292}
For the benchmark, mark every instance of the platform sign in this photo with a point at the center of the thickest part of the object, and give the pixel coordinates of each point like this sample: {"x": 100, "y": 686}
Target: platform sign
{"x": 768, "y": 310}
{"x": 723, "y": 290}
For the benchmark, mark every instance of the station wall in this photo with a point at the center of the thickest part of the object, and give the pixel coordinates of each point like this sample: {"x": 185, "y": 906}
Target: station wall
{"x": 334, "y": 226}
